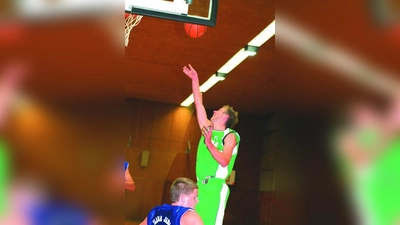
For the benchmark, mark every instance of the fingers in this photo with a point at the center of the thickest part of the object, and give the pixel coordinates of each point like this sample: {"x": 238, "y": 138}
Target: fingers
{"x": 206, "y": 130}
{"x": 186, "y": 68}
{"x": 203, "y": 131}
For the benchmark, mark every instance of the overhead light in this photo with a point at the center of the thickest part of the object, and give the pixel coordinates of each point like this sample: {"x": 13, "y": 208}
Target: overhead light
{"x": 204, "y": 87}
{"x": 233, "y": 62}
{"x": 250, "y": 50}
{"x": 209, "y": 83}
{"x": 188, "y": 101}
{"x": 264, "y": 35}
{"x": 220, "y": 76}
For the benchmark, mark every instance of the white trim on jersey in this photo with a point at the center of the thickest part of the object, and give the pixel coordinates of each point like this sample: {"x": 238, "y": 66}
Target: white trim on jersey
{"x": 221, "y": 208}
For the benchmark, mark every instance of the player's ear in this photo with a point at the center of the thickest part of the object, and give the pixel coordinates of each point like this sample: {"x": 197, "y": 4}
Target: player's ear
{"x": 185, "y": 199}
{"x": 182, "y": 199}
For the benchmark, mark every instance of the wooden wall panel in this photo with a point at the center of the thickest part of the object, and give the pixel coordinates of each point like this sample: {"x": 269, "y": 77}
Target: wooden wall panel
{"x": 141, "y": 122}
{"x": 162, "y": 121}
{"x": 141, "y": 143}
{"x": 152, "y": 195}
{"x": 133, "y": 207}
{"x": 267, "y": 208}
{"x": 181, "y": 119}
{"x": 165, "y": 134}
{"x": 158, "y": 145}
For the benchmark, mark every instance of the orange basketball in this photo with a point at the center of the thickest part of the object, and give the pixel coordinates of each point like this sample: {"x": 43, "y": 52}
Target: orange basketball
{"x": 195, "y": 30}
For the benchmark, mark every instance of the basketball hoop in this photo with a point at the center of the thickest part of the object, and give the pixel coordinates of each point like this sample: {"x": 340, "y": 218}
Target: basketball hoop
{"x": 131, "y": 20}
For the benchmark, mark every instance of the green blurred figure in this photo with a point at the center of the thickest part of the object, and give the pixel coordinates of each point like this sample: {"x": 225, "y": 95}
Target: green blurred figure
{"x": 369, "y": 155}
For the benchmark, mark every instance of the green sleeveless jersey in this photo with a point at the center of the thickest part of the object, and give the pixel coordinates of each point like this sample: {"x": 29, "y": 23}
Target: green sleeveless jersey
{"x": 206, "y": 165}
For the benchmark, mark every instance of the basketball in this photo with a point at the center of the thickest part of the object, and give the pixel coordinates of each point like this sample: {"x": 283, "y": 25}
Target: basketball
{"x": 195, "y": 30}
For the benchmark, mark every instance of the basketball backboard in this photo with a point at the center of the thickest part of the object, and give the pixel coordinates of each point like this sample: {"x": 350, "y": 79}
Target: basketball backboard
{"x": 202, "y": 12}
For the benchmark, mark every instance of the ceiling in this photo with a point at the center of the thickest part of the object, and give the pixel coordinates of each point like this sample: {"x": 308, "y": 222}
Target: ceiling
{"x": 158, "y": 49}
{"x": 74, "y": 61}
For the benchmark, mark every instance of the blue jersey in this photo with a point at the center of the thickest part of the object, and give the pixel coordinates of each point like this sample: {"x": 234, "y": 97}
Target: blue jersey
{"x": 166, "y": 215}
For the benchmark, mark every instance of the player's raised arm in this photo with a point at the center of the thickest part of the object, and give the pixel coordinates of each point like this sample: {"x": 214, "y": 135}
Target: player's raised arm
{"x": 198, "y": 99}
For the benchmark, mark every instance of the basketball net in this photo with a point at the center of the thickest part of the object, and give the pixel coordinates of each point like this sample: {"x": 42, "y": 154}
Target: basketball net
{"x": 130, "y": 21}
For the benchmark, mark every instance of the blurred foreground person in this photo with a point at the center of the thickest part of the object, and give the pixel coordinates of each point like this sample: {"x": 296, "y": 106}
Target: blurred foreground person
{"x": 369, "y": 157}
{"x": 11, "y": 76}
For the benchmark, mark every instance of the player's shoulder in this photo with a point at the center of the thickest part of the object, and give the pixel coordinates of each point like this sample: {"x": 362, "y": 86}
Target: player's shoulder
{"x": 191, "y": 218}
{"x": 231, "y": 131}
{"x": 232, "y": 134}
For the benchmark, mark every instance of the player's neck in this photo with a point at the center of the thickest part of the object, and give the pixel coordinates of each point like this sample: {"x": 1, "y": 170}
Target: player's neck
{"x": 217, "y": 126}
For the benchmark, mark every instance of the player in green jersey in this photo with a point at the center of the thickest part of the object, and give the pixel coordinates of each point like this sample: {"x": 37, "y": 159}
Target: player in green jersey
{"x": 216, "y": 155}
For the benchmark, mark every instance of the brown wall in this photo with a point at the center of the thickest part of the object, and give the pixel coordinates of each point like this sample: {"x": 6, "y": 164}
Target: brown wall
{"x": 164, "y": 130}
{"x": 242, "y": 207}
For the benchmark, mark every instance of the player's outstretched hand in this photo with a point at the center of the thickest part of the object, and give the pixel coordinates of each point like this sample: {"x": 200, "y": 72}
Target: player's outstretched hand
{"x": 190, "y": 72}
